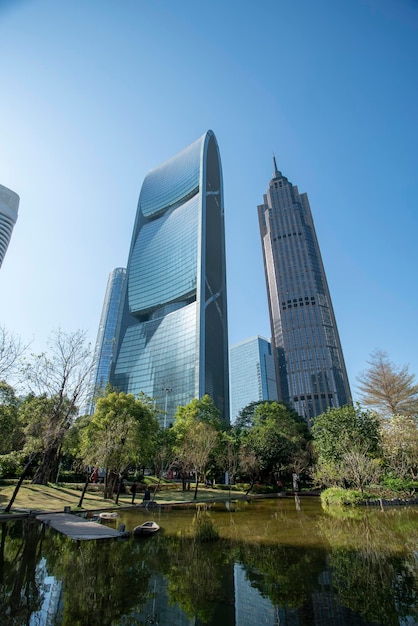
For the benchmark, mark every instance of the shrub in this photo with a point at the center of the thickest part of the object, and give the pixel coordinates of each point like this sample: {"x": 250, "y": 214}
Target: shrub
{"x": 227, "y": 487}
{"x": 399, "y": 486}
{"x": 68, "y": 476}
{"x": 11, "y": 464}
{"x": 205, "y": 530}
{"x": 337, "y": 496}
{"x": 257, "y": 488}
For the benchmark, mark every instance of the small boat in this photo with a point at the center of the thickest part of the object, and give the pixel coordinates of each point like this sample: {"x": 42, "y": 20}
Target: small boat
{"x": 108, "y": 515}
{"x": 147, "y": 528}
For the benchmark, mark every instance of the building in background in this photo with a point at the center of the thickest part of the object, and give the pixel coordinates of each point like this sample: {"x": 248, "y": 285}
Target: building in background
{"x": 9, "y": 204}
{"x": 106, "y": 335}
{"x": 252, "y": 374}
{"x": 310, "y": 367}
{"x": 172, "y": 340}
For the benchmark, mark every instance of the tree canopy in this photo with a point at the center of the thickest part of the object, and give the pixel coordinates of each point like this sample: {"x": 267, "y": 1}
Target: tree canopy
{"x": 196, "y": 429}
{"x": 387, "y": 388}
{"x": 400, "y": 445}
{"x": 278, "y": 434}
{"x": 346, "y": 439}
{"x": 60, "y": 379}
{"x": 121, "y": 431}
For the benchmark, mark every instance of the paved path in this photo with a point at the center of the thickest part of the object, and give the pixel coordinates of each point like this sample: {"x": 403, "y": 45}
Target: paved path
{"x": 76, "y": 527}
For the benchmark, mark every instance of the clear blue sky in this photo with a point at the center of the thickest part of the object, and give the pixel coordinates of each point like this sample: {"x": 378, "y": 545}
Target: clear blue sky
{"x": 96, "y": 93}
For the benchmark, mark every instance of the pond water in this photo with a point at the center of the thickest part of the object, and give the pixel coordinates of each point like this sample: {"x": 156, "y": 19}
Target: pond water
{"x": 277, "y": 562}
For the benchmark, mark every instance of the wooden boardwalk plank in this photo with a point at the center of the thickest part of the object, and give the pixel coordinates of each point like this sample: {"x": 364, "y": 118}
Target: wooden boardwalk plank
{"x": 76, "y": 527}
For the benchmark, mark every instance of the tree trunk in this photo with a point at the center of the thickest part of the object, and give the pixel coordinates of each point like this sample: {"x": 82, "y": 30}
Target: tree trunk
{"x": 48, "y": 467}
{"x": 197, "y": 485}
{"x": 120, "y": 480}
{"x": 249, "y": 488}
{"x": 106, "y": 485}
{"x": 86, "y": 484}
{"x": 19, "y": 482}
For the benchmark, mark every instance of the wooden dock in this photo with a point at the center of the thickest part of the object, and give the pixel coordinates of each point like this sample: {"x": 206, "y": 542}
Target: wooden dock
{"x": 77, "y": 528}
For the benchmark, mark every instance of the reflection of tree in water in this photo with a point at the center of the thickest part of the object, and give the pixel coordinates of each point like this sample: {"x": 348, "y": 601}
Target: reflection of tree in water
{"x": 102, "y": 580}
{"x": 19, "y": 555}
{"x": 286, "y": 575}
{"x": 373, "y": 567}
{"x": 198, "y": 575}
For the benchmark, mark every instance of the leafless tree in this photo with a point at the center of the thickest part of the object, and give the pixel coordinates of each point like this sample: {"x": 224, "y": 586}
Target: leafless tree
{"x": 400, "y": 445}
{"x": 12, "y": 350}
{"x": 387, "y": 388}
{"x": 360, "y": 469}
{"x": 61, "y": 376}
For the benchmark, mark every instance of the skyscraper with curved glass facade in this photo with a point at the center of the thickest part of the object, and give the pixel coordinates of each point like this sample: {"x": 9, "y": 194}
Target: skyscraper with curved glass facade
{"x": 310, "y": 365}
{"x": 105, "y": 342}
{"x": 172, "y": 341}
{"x": 9, "y": 204}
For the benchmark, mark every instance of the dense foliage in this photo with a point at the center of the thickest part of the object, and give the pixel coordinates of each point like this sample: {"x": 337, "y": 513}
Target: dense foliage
{"x": 43, "y": 430}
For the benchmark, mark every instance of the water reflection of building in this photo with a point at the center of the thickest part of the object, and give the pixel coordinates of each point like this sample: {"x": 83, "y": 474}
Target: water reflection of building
{"x": 50, "y": 589}
{"x": 321, "y": 608}
{"x": 251, "y": 609}
{"x": 158, "y": 609}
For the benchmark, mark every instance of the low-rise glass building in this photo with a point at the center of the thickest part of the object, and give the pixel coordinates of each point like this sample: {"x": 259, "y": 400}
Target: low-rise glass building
{"x": 252, "y": 373}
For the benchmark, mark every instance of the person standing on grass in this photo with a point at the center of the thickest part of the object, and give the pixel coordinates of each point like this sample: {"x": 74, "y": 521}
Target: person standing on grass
{"x": 147, "y": 497}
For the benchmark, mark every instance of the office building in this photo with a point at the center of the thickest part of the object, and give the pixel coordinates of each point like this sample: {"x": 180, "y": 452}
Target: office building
{"x": 106, "y": 335}
{"x": 9, "y": 204}
{"x": 172, "y": 340}
{"x": 252, "y": 374}
{"x": 310, "y": 366}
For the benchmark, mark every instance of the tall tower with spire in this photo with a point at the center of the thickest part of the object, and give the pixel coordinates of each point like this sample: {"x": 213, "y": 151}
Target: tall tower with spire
{"x": 310, "y": 369}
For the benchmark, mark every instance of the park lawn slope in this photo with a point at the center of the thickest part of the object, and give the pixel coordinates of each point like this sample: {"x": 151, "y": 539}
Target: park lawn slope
{"x": 56, "y": 497}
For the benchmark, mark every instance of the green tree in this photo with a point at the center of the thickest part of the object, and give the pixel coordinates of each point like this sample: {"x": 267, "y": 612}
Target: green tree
{"x": 10, "y": 425}
{"x": 196, "y": 429}
{"x": 387, "y": 388}
{"x": 340, "y": 431}
{"x": 246, "y": 417}
{"x": 279, "y": 434}
{"x": 198, "y": 410}
{"x": 121, "y": 432}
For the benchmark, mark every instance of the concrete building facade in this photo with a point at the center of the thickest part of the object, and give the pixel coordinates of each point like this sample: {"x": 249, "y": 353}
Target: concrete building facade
{"x": 310, "y": 366}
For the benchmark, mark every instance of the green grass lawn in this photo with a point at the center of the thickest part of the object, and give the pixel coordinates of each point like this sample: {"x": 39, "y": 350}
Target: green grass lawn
{"x": 56, "y": 497}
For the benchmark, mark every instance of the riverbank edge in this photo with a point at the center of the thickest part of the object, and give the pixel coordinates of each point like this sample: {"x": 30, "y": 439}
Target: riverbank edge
{"x": 25, "y": 513}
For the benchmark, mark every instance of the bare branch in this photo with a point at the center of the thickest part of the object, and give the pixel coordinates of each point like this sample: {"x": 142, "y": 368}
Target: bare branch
{"x": 12, "y": 350}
